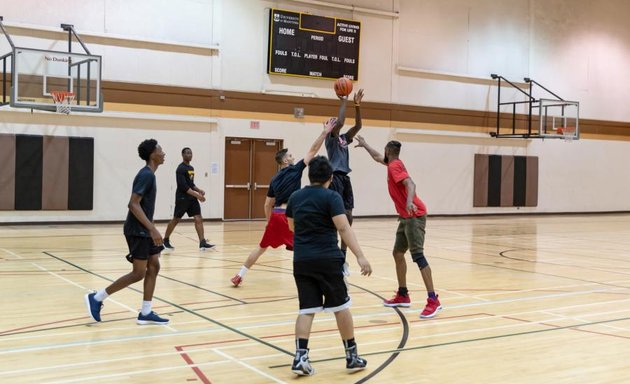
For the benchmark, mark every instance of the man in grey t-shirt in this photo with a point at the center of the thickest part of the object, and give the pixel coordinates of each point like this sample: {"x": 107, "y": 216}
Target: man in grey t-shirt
{"x": 337, "y": 150}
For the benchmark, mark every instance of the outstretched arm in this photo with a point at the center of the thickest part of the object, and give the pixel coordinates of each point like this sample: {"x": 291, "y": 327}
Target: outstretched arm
{"x": 358, "y": 96}
{"x": 373, "y": 152}
{"x": 317, "y": 144}
{"x": 341, "y": 118}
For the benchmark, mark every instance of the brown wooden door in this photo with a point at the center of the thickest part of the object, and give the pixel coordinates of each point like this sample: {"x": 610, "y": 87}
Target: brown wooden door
{"x": 236, "y": 203}
{"x": 264, "y": 167}
{"x": 249, "y": 166}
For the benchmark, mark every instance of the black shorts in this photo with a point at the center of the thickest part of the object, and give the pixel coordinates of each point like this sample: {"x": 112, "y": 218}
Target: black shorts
{"x": 142, "y": 247}
{"x": 342, "y": 185}
{"x": 321, "y": 286}
{"x": 189, "y": 206}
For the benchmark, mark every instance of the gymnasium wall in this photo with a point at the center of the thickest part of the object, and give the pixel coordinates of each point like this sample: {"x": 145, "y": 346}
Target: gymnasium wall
{"x": 435, "y": 54}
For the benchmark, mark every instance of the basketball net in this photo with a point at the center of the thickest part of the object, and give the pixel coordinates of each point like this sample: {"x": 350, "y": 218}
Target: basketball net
{"x": 568, "y": 133}
{"x": 63, "y": 101}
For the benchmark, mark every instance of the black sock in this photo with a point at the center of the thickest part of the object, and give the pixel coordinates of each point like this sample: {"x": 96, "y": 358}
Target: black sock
{"x": 351, "y": 347}
{"x": 402, "y": 291}
{"x": 301, "y": 343}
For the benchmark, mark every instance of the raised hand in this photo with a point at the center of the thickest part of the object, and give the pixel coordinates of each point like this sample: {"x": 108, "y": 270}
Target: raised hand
{"x": 330, "y": 124}
{"x": 360, "y": 141}
{"x": 358, "y": 96}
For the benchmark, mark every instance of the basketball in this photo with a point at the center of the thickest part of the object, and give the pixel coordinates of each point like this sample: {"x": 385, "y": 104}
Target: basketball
{"x": 343, "y": 86}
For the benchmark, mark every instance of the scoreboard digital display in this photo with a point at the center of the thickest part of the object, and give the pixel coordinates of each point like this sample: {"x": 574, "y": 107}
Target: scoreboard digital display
{"x": 301, "y": 44}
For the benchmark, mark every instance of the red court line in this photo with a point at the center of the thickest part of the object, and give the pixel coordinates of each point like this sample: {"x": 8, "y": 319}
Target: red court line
{"x": 197, "y": 371}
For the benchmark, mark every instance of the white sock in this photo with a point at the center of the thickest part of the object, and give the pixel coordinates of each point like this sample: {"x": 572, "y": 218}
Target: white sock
{"x": 101, "y": 295}
{"x": 146, "y": 308}
{"x": 243, "y": 271}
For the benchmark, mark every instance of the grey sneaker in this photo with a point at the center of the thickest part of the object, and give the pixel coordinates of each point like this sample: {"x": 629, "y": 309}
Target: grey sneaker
{"x": 354, "y": 362}
{"x": 301, "y": 365}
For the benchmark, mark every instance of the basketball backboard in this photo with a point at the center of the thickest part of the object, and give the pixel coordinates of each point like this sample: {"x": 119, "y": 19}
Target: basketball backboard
{"x": 40, "y": 72}
{"x": 559, "y": 119}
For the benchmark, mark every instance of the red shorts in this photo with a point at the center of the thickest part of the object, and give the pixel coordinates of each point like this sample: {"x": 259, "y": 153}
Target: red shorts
{"x": 277, "y": 232}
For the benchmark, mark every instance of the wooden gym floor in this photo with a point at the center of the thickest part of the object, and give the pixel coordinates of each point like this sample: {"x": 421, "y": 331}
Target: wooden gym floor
{"x": 527, "y": 299}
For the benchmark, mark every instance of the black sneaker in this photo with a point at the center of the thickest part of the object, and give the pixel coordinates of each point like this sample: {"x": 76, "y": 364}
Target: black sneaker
{"x": 168, "y": 246}
{"x": 129, "y": 258}
{"x": 203, "y": 245}
{"x": 354, "y": 362}
{"x": 301, "y": 365}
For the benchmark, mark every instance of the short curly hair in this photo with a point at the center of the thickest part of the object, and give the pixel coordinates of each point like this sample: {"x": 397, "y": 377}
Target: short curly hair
{"x": 146, "y": 148}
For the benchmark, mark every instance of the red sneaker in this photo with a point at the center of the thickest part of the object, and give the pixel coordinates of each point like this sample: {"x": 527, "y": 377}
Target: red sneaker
{"x": 398, "y": 301}
{"x": 432, "y": 308}
{"x": 236, "y": 280}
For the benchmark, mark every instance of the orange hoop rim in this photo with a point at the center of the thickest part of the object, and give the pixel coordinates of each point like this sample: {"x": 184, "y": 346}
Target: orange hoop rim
{"x": 60, "y": 96}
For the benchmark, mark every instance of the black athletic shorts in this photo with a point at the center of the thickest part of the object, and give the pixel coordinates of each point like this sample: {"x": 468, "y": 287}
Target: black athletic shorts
{"x": 189, "y": 206}
{"x": 142, "y": 247}
{"x": 342, "y": 185}
{"x": 321, "y": 286}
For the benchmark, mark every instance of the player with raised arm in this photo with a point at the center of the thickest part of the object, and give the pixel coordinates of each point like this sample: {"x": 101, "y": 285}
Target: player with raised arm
{"x": 337, "y": 149}
{"x": 411, "y": 228}
{"x": 282, "y": 185}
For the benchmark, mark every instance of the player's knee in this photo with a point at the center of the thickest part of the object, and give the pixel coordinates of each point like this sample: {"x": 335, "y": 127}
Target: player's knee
{"x": 419, "y": 259}
{"x": 398, "y": 256}
{"x": 137, "y": 275}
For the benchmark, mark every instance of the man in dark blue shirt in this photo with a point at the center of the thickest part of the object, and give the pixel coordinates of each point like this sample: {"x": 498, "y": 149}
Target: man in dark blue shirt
{"x": 187, "y": 198}
{"x": 282, "y": 185}
{"x": 144, "y": 240}
{"x": 337, "y": 149}
{"x": 316, "y": 214}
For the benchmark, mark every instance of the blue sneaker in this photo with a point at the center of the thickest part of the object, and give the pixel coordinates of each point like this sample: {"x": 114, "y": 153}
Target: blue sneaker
{"x": 151, "y": 318}
{"x": 94, "y": 306}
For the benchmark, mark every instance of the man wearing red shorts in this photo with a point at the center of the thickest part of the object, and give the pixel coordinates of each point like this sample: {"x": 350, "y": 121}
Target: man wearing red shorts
{"x": 282, "y": 185}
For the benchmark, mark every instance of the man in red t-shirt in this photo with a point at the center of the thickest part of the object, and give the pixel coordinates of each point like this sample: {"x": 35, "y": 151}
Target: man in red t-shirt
{"x": 410, "y": 233}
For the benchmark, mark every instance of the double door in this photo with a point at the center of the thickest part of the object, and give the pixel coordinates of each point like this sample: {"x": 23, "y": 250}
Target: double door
{"x": 249, "y": 166}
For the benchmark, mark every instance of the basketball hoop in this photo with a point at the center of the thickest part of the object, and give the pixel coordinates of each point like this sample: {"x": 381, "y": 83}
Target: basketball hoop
{"x": 63, "y": 101}
{"x": 568, "y": 133}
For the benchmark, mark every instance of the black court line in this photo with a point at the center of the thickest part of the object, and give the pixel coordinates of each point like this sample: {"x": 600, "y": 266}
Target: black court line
{"x": 395, "y": 353}
{"x": 202, "y": 289}
{"x": 471, "y": 340}
{"x": 223, "y": 306}
{"x": 401, "y": 344}
{"x": 194, "y": 313}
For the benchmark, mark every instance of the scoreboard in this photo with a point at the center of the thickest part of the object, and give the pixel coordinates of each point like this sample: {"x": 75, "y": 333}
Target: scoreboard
{"x": 301, "y": 44}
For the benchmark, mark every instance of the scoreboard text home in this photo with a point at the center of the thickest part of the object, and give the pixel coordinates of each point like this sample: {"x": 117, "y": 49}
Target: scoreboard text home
{"x": 313, "y": 46}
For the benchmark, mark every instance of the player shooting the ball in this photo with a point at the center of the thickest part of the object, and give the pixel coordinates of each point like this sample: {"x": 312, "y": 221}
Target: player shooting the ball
{"x": 337, "y": 147}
